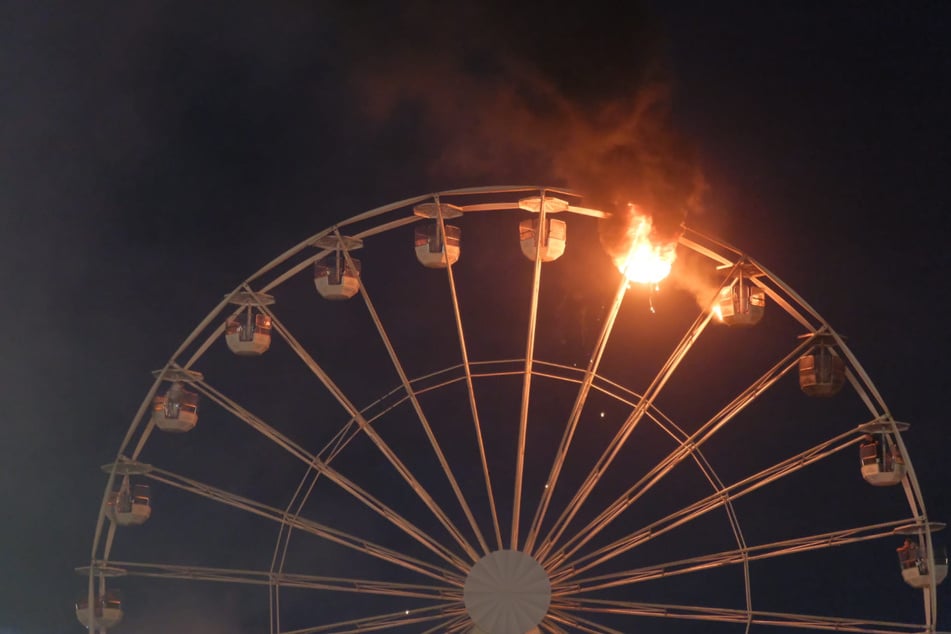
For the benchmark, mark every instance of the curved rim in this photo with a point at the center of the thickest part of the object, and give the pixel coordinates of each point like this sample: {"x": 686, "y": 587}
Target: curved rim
{"x": 360, "y": 227}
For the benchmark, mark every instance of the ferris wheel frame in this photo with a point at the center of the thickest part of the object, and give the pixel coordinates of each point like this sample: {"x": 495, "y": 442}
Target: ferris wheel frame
{"x": 551, "y": 547}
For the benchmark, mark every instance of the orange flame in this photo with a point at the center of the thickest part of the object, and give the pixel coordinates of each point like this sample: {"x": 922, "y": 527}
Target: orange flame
{"x": 645, "y": 262}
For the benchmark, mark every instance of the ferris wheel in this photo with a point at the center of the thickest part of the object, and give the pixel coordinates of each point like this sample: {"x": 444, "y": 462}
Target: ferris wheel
{"x": 475, "y": 424}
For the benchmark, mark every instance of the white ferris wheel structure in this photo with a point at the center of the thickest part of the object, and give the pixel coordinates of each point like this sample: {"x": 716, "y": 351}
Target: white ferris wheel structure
{"x": 498, "y": 432}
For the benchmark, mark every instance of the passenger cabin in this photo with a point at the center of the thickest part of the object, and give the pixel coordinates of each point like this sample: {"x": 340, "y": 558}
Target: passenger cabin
{"x": 129, "y": 506}
{"x": 336, "y": 278}
{"x": 741, "y": 304}
{"x": 913, "y": 559}
{"x": 553, "y": 242}
{"x": 248, "y": 334}
{"x": 435, "y": 251}
{"x": 822, "y": 371}
{"x": 882, "y": 464}
{"x": 105, "y": 614}
{"x": 175, "y": 411}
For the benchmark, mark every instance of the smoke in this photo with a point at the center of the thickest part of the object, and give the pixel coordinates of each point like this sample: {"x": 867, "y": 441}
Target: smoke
{"x": 697, "y": 275}
{"x": 496, "y": 92}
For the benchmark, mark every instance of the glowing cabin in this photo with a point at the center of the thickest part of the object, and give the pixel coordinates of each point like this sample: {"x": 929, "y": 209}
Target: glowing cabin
{"x": 554, "y": 236}
{"x": 822, "y": 371}
{"x": 913, "y": 558}
{"x": 176, "y": 410}
{"x": 741, "y": 304}
{"x": 336, "y": 278}
{"x": 248, "y": 334}
{"x": 553, "y": 239}
{"x": 435, "y": 250}
{"x": 129, "y": 505}
{"x": 882, "y": 463}
{"x": 106, "y": 612}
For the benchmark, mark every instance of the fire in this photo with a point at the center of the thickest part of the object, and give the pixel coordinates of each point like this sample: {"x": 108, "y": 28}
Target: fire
{"x": 645, "y": 261}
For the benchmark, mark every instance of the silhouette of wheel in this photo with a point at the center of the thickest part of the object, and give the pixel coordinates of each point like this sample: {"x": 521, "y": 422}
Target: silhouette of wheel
{"x": 506, "y": 430}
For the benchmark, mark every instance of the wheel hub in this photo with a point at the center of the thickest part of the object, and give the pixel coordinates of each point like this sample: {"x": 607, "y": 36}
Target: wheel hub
{"x": 507, "y": 592}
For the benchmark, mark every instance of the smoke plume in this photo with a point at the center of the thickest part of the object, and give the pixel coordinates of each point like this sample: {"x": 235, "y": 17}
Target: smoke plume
{"x": 510, "y": 92}
{"x": 697, "y": 275}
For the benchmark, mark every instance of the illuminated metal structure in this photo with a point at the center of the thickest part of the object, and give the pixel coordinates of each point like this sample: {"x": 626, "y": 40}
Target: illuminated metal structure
{"x": 248, "y": 334}
{"x": 741, "y": 302}
{"x": 177, "y": 410}
{"x": 555, "y": 235}
{"x": 129, "y": 505}
{"x": 336, "y": 275}
{"x": 882, "y": 461}
{"x": 485, "y": 476}
{"x": 438, "y": 244}
{"x": 822, "y": 370}
{"x": 105, "y": 613}
{"x": 923, "y": 564}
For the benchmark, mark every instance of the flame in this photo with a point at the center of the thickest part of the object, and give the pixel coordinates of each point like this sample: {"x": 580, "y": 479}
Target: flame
{"x": 645, "y": 261}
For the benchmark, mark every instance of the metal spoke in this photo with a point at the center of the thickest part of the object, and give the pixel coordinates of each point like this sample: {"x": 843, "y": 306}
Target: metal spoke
{"x": 527, "y": 376}
{"x": 332, "y": 474}
{"x": 387, "y": 621}
{"x": 727, "y": 558}
{"x": 548, "y": 626}
{"x": 371, "y": 433}
{"x": 705, "y": 505}
{"x": 579, "y": 624}
{"x": 623, "y": 433}
{"x": 298, "y": 500}
{"x": 573, "y": 418}
{"x": 328, "y": 453}
{"x": 424, "y": 421}
{"x": 470, "y": 388}
{"x": 453, "y": 624}
{"x": 289, "y": 580}
{"x": 685, "y": 449}
{"x": 311, "y": 527}
{"x": 728, "y": 615}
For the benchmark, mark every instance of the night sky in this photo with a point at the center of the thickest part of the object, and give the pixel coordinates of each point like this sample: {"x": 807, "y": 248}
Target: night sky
{"x": 154, "y": 154}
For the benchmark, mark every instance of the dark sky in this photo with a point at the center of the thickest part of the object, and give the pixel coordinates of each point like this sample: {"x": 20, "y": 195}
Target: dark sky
{"x": 154, "y": 154}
